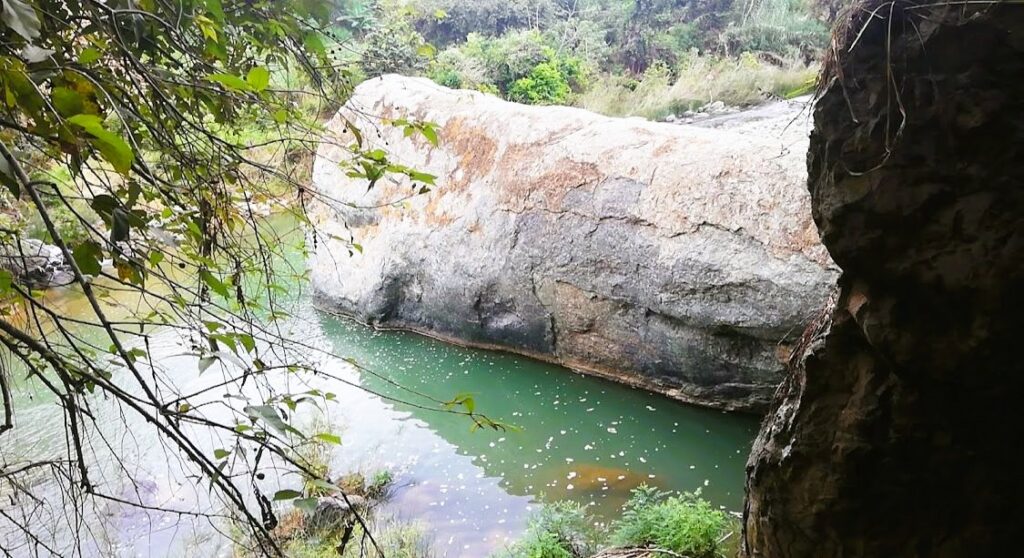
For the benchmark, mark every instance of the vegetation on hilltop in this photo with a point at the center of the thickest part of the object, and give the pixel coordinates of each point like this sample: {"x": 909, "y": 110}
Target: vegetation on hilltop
{"x": 619, "y": 57}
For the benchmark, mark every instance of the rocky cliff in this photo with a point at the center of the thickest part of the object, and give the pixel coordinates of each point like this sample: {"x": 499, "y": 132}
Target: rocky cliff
{"x": 677, "y": 258}
{"x": 896, "y": 434}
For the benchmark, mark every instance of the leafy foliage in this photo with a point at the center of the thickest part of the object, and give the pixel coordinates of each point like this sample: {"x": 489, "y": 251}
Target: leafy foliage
{"x": 684, "y": 524}
{"x": 521, "y": 66}
{"x": 545, "y": 85}
{"x": 125, "y": 123}
{"x": 680, "y": 525}
{"x": 513, "y": 48}
{"x": 393, "y": 46}
{"x": 558, "y": 530}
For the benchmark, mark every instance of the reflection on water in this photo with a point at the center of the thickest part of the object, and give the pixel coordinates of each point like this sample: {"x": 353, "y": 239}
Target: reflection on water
{"x": 578, "y": 438}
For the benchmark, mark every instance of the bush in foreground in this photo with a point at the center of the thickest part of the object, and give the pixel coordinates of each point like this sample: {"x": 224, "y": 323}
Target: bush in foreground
{"x": 684, "y": 524}
{"x": 652, "y": 520}
{"x": 558, "y": 530}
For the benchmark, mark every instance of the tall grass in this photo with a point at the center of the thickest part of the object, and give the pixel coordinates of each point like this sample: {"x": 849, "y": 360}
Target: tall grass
{"x": 698, "y": 81}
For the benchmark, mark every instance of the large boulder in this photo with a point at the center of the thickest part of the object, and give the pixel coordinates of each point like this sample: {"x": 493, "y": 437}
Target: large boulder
{"x": 677, "y": 258}
{"x": 897, "y": 433}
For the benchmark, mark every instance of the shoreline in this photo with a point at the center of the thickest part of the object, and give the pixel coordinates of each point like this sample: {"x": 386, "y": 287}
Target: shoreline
{"x": 629, "y": 379}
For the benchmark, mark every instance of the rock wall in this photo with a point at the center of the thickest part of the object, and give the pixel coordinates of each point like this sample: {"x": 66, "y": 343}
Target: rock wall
{"x": 896, "y": 435}
{"x": 676, "y": 258}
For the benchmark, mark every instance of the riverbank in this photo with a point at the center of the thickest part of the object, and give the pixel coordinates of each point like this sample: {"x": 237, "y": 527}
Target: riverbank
{"x": 580, "y": 367}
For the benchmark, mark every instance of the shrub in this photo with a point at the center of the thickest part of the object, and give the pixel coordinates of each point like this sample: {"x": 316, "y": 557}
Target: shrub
{"x": 545, "y": 85}
{"x": 558, "y": 530}
{"x": 684, "y": 524}
{"x": 543, "y": 545}
{"x": 393, "y": 47}
{"x": 514, "y": 56}
{"x": 456, "y": 69}
{"x": 445, "y": 22}
{"x": 520, "y": 64}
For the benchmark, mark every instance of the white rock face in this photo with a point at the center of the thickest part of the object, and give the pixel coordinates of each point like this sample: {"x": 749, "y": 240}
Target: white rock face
{"x": 678, "y": 258}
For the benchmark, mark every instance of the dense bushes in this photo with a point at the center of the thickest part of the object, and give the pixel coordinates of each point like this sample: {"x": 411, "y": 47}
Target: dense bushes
{"x": 684, "y": 524}
{"x": 393, "y": 46}
{"x": 520, "y": 65}
{"x": 447, "y": 22}
{"x": 544, "y": 85}
{"x": 618, "y": 57}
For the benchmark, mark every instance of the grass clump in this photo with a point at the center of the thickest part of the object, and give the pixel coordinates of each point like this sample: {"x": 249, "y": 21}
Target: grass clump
{"x": 395, "y": 539}
{"x": 742, "y": 81}
{"x": 684, "y": 524}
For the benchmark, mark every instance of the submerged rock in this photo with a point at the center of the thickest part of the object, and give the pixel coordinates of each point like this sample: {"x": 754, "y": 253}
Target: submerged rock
{"x": 676, "y": 258}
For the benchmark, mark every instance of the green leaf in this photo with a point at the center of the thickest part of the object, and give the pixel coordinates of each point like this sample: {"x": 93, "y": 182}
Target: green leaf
{"x": 258, "y": 78}
{"x": 324, "y": 485}
{"x": 426, "y": 50}
{"x": 286, "y": 494}
{"x": 220, "y": 453}
{"x": 6, "y": 279}
{"x": 423, "y": 177}
{"x": 269, "y": 415}
{"x": 104, "y": 204}
{"x": 67, "y": 101}
{"x": 120, "y": 227}
{"x": 7, "y": 176}
{"x": 184, "y": 407}
{"x": 215, "y": 9}
{"x": 208, "y": 27}
{"x": 205, "y": 363}
{"x": 114, "y": 149}
{"x": 429, "y": 133}
{"x": 89, "y": 55}
{"x": 247, "y": 341}
{"x": 307, "y": 505}
{"x": 314, "y": 44}
{"x": 329, "y": 438}
{"x": 215, "y": 284}
{"x": 230, "y": 81}
{"x": 21, "y": 18}
{"x": 87, "y": 256}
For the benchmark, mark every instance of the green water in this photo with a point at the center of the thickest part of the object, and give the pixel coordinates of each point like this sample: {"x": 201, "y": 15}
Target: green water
{"x": 576, "y": 437}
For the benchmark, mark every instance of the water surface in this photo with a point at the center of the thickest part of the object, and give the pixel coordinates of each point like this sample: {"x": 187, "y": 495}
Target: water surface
{"x": 575, "y": 437}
